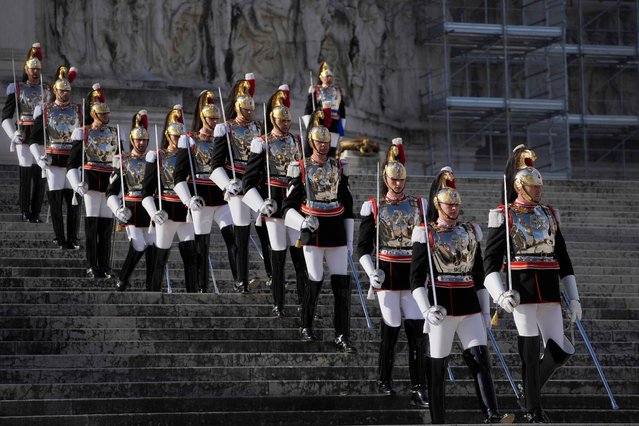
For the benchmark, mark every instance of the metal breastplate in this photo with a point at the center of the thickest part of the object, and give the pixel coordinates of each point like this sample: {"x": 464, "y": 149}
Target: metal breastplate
{"x": 281, "y": 153}
{"x": 330, "y": 97}
{"x": 202, "y": 155}
{"x": 134, "y": 173}
{"x": 241, "y": 138}
{"x": 28, "y": 98}
{"x": 101, "y": 145}
{"x": 396, "y": 223}
{"x": 454, "y": 249}
{"x": 61, "y": 122}
{"x": 323, "y": 180}
{"x": 533, "y": 231}
{"x": 167, "y": 169}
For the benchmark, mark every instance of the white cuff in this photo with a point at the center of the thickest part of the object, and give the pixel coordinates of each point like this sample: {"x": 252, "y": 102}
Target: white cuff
{"x": 349, "y": 225}
{"x": 367, "y": 263}
{"x": 306, "y": 119}
{"x": 9, "y": 128}
{"x": 220, "y": 178}
{"x": 73, "y": 176}
{"x": 484, "y": 301}
{"x": 420, "y": 294}
{"x": 253, "y": 199}
{"x": 113, "y": 202}
{"x": 149, "y": 205}
{"x": 494, "y": 285}
{"x": 293, "y": 219}
{"x": 343, "y": 120}
{"x": 183, "y": 191}
{"x": 570, "y": 284}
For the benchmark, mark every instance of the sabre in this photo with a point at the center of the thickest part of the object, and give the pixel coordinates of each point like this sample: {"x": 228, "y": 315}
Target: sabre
{"x": 75, "y": 201}
{"x": 228, "y": 138}
{"x": 369, "y": 323}
{"x": 215, "y": 289}
{"x": 169, "y": 289}
{"x": 121, "y": 165}
{"x": 313, "y": 93}
{"x": 430, "y": 261}
{"x": 510, "y": 278}
{"x": 188, "y": 151}
{"x": 370, "y": 296}
{"x": 44, "y": 123}
{"x": 256, "y": 247}
{"x": 518, "y": 395}
{"x": 308, "y": 193}
{"x": 15, "y": 93}
{"x": 268, "y": 169}
{"x": 582, "y": 331}
{"x": 157, "y": 147}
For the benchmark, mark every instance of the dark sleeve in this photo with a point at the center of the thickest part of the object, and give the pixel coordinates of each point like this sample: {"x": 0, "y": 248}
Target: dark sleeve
{"x": 114, "y": 187}
{"x": 342, "y": 107}
{"x": 478, "y": 269}
{"x": 220, "y": 152}
{"x": 182, "y": 166}
{"x": 309, "y": 103}
{"x": 75, "y": 156}
{"x": 418, "y": 266}
{"x": 495, "y": 249}
{"x": 9, "y": 107}
{"x": 150, "y": 183}
{"x": 37, "y": 132}
{"x": 344, "y": 195}
{"x": 295, "y": 196}
{"x": 366, "y": 238}
{"x": 254, "y": 171}
{"x": 561, "y": 253}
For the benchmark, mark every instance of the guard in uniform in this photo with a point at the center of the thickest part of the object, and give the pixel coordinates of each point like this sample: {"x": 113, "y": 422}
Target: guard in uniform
{"x": 539, "y": 261}
{"x": 205, "y": 200}
{"x": 134, "y": 217}
{"x": 328, "y": 97}
{"x": 88, "y": 170}
{"x": 283, "y": 149}
{"x": 318, "y": 188}
{"x": 22, "y": 99}
{"x": 463, "y": 302}
{"x": 170, "y": 219}
{"x": 397, "y": 215}
{"x": 241, "y": 130}
{"x": 57, "y": 121}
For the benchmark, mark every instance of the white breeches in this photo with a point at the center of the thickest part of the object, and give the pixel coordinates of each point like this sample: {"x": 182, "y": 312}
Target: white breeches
{"x": 530, "y": 318}
{"x": 139, "y": 237}
{"x": 25, "y": 158}
{"x": 164, "y": 233}
{"x": 280, "y": 235}
{"x": 336, "y": 260}
{"x": 95, "y": 205}
{"x": 57, "y": 178}
{"x": 395, "y": 303}
{"x": 203, "y": 219}
{"x": 469, "y": 328}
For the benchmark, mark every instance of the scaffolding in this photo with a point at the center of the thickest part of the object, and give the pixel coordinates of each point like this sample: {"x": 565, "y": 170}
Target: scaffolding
{"x": 505, "y": 73}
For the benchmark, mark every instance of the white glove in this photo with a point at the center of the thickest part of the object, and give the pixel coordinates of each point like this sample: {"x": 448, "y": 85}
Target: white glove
{"x": 196, "y": 203}
{"x": 377, "y": 278}
{"x": 436, "y": 314}
{"x": 487, "y": 320}
{"x": 234, "y": 187}
{"x": 17, "y": 137}
{"x": 123, "y": 214}
{"x": 81, "y": 189}
{"x": 159, "y": 217}
{"x": 311, "y": 223}
{"x": 509, "y": 300}
{"x": 44, "y": 162}
{"x": 268, "y": 208}
{"x": 311, "y": 89}
{"x": 575, "y": 310}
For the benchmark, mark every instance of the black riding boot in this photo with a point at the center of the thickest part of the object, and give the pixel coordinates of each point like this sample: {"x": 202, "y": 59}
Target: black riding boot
{"x": 529, "y": 353}
{"x": 38, "y": 188}
{"x": 202, "y": 244}
{"x": 105, "y": 233}
{"x": 477, "y": 359}
{"x": 301, "y": 274}
{"x": 73, "y": 219}
{"x": 437, "y": 390}
{"x": 241, "y": 244}
{"x": 278, "y": 285}
{"x": 149, "y": 260}
{"x": 160, "y": 257}
{"x": 386, "y": 359}
{"x": 417, "y": 361}
{"x": 265, "y": 243}
{"x": 91, "y": 245}
{"x": 341, "y": 285}
{"x": 57, "y": 221}
{"x": 130, "y": 262}
{"x": 188, "y": 252}
{"x": 554, "y": 357}
{"x": 309, "y": 305}
{"x": 25, "y": 192}
{"x": 229, "y": 239}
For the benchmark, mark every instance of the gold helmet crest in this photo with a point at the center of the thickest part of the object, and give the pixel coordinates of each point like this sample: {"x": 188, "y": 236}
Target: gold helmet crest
{"x": 280, "y": 103}
{"x": 139, "y": 126}
{"x": 447, "y": 189}
{"x": 325, "y": 70}
{"x": 395, "y": 159}
{"x": 97, "y": 101}
{"x": 34, "y": 57}
{"x": 207, "y": 107}
{"x": 174, "y": 123}
{"x": 318, "y": 131}
{"x": 64, "y": 77}
{"x": 526, "y": 174}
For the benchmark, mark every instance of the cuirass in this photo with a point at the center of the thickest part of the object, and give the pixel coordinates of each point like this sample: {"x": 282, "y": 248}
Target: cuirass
{"x": 454, "y": 249}
{"x": 241, "y": 138}
{"x": 202, "y": 155}
{"x": 330, "y": 97}
{"x": 281, "y": 153}
{"x": 101, "y": 145}
{"x": 533, "y": 230}
{"x": 61, "y": 122}
{"x": 134, "y": 173}
{"x": 323, "y": 180}
{"x": 167, "y": 168}
{"x": 396, "y": 223}
{"x": 30, "y": 97}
